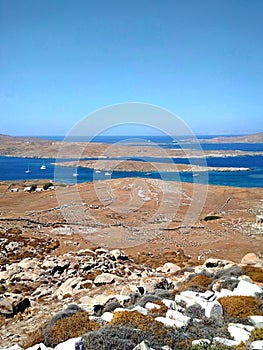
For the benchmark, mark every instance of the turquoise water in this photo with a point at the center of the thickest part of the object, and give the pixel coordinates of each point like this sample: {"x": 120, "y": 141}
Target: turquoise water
{"x": 13, "y": 168}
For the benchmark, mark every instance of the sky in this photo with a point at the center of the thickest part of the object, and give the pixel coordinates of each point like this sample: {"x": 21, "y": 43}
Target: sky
{"x": 61, "y": 60}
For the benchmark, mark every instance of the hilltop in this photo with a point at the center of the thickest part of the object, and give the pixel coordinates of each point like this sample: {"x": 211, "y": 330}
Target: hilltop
{"x": 253, "y": 138}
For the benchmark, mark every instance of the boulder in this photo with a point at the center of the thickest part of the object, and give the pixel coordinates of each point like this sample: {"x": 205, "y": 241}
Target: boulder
{"x": 40, "y": 346}
{"x": 257, "y": 321}
{"x": 169, "y": 322}
{"x": 247, "y": 289}
{"x": 11, "y": 304}
{"x": 250, "y": 259}
{"x": 144, "y": 345}
{"x": 170, "y": 268}
{"x": 214, "y": 310}
{"x": 178, "y": 316}
{"x": 239, "y": 332}
{"x": 69, "y": 344}
{"x": 104, "y": 278}
{"x": 225, "y": 341}
{"x": 256, "y": 345}
{"x": 107, "y": 316}
{"x": 118, "y": 254}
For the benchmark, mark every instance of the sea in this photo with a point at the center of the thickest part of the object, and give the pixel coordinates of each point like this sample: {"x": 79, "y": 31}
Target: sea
{"x": 16, "y": 168}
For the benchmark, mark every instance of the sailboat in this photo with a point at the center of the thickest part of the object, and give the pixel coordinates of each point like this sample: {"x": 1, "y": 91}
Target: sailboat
{"x": 43, "y": 167}
{"x": 76, "y": 173}
{"x": 27, "y": 171}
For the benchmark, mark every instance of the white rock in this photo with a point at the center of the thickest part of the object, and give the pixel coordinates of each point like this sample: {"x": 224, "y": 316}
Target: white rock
{"x": 170, "y": 268}
{"x": 107, "y": 316}
{"x": 214, "y": 310}
{"x": 68, "y": 345}
{"x": 257, "y": 321}
{"x": 40, "y": 346}
{"x": 29, "y": 263}
{"x": 178, "y": 316}
{"x": 151, "y": 306}
{"x": 247, "y": 289}
{"x": 140, "y": 309}
{"x": 189, "y": 294}
{"x": 200, "y": 341}
{"x": 256, "y": 345}
{"x": 14, "y": 347}
{"x": 142, "y": 346}
{"x": 105, "y": 278}
{"x": 224, "y": 341}
{"x": 169, "y": 303}
{"x": 168, "y": 322}
{"x": 238, "y": 333}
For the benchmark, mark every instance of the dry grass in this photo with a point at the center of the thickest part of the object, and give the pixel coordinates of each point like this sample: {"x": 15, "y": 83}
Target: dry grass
{"x": 70, "y": 327}
{"x": 241, "y": 306}
{"x": 255, "y": 273}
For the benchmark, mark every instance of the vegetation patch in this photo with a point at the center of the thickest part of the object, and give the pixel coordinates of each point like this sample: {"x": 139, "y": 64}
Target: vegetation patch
{"x": 212, "y": 217}
{"x": 255, "y": 273}
{"x": 241, "y": 306}
{"x": 133, "y": 319}
{"x": 69, "y": 327}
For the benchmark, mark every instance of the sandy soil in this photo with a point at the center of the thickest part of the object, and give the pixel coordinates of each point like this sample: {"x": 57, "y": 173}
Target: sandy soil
{"x": 141, "y": 215}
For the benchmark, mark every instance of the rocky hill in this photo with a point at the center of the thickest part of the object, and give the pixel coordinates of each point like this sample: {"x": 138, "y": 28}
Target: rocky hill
{"x": 254, "y": 138}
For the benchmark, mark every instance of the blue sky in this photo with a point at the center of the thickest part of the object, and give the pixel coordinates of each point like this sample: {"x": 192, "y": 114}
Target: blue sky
{"x": 63, "y": 59}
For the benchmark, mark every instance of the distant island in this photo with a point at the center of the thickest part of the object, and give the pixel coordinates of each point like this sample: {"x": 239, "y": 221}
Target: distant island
{"x": 254, "y": 138}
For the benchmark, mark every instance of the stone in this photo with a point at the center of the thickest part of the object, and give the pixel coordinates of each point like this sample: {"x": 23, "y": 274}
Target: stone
{"x": 178, "y": 316}
{"x": 67, "y": 288}
{"x": 68, "y": 344}
{"x": 247, "y": 289}
{"x": 250, "y": 259}
{"x": 140, "y": 309}
{"x": 169, "y": 322}
{"x": 170, "y": 304}
{"x": 238, "y": 332}
{"x": 29, "y": 263}
{"x": 225, "y": 341}
{"x": 170, "y": 268}
{"x": 118, "y": 254}
{"x": 152, "y": 306}
{"x": 107, "y": 316}
{"x": 256, "y": 345}
{"x": 14, "y": 347}
{"x": 11, "y": 304}
{"x": 142, "y": 346}
{"x": 214, "y": 310}
{"x": 40, "y": 346}
{"x": 257, "y": 321}
{"x": 104, "y": 278}
{"x": 200, "y": 341}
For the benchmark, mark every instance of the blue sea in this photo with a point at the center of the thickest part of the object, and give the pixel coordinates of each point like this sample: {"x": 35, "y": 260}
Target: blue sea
{"x": 13, "y": 168}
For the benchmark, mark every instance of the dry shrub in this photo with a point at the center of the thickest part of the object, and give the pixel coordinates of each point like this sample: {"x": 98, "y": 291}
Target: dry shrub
{"x": 255, "y": 273}
{"x": 70, "y": 327}
{"x": 156, "y": 312}
{"x": 241, "y": 306}
{"x": 147, "y": 324}
{"x": 197, "y": 283}
{"x": 34, "y": 338}
{"x": 256, "y": 334}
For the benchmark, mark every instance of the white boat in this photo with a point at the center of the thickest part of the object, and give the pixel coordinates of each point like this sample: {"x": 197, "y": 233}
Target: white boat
{"x": 75, "y": 174}
{"x": 107, "y": 173}
{"x": 43, "y": 167}
{"x": 28, "y": 171}
{"x": 97, "y": 171}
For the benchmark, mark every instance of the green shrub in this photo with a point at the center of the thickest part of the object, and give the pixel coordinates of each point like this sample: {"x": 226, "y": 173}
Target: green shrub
{"x": 47, "y": 185}
{"x": 212, "y": 217}
{"x": 209, "y": 346}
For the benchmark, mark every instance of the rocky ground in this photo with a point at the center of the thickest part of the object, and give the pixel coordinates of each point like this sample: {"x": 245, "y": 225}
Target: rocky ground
{"x": 120, "y": 251}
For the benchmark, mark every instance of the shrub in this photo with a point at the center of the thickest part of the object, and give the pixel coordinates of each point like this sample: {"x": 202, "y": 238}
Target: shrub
{"x": 208, "y": 346}
{"x": 212, "y": 217}
{"x": 159, "y": 334}
{"x": 33, "y": 188}
{"x": 47, "y": 185}
{"x": 241, "y": 306}
{"x": 256, "y": 334}
{"x": 198, "y": 283}
{"x": 69, "y": 327}
{"x": 255, "y": 273}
